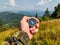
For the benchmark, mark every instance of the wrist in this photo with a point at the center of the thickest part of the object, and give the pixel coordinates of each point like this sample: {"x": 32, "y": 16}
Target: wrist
{"x": 30, "y": 35}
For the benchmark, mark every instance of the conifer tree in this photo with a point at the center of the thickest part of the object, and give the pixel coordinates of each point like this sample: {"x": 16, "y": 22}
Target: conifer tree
{"x": 56, "y": 13}
{"x": 46, "y": 15}
{"x": 36, "y": 15}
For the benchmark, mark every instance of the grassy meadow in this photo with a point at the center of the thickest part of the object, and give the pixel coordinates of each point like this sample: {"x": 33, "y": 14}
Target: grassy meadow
{"x": 6, "y": 34}
{"x": 48, "y": 34}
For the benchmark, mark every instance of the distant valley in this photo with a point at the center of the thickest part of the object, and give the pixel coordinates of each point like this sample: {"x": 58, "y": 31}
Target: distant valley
{"x": 33, "y": 12}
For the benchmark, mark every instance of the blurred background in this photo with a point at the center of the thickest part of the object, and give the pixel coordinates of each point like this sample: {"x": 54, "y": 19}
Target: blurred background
{"x": 47, "y": 11}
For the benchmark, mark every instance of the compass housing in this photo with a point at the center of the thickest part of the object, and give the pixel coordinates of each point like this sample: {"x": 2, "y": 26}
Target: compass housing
{"x": 32, "y": 22}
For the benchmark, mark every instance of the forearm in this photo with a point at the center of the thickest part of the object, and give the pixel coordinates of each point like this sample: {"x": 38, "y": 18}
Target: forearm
{"x": 24, "y": 38}
{"x": 20, "y": 37}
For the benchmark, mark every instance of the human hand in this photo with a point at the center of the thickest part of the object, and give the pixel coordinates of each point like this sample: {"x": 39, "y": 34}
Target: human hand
{"x": 26, "y": 28}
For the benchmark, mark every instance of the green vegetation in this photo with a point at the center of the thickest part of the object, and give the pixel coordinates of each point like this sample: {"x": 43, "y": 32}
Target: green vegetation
{"x": 46, "y": 16}
{"x": 0, "y": 23}
{"x": 4, "y": 35}
{"x": 56, "y": 13}
{"x": 10, "y": 18}
{"x": 49, "y": 33}
{"x": 36, "y": 15}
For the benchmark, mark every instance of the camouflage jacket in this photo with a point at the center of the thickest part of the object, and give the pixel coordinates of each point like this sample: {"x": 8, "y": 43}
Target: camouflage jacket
{"x": 19, "y": 38}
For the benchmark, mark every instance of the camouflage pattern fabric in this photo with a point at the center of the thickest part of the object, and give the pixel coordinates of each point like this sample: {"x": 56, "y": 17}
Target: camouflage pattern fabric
{"x": 19, "y": 38}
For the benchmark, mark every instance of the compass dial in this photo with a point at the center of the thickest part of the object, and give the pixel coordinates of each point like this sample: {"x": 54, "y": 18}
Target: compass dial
{"x": 32, "y": 22}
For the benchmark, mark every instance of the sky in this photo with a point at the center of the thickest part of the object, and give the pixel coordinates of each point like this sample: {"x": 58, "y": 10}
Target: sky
{"x": 20, "y": 5}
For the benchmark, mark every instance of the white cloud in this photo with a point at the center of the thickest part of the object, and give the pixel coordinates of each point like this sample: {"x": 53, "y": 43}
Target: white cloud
{"x": 12, "y": 3}
{"x": 43, "y": 2}
{"x": 50, "y": 0}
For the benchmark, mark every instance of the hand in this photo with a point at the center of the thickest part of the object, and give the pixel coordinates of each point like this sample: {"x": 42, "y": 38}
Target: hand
{"x": 25, "y": 26}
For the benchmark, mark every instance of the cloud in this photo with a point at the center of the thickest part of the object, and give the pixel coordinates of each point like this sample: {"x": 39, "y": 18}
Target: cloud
{"x": 43, "y": 2}
{"x": 50, "y": 0}
{"x": 12, "y": 3}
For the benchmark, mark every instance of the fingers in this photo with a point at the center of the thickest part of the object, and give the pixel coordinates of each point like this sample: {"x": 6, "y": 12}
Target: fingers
{"x": 37, "y": 25}
{"x": 25, "y": 18}
{"x": 36, "y": 30}
{"x": 33, "y": 30}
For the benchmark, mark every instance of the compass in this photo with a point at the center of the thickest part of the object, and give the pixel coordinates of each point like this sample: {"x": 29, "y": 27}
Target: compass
{"x": 32, "y": 22}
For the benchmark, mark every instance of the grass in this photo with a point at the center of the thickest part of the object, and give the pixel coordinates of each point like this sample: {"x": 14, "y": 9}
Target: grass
{"x": 6, "y": 34}
{"x": 48, "y": 34}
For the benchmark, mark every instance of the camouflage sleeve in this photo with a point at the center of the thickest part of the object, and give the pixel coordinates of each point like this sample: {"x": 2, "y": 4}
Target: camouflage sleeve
{"x": 19, "y": 38}
{"x": 23, "y": 37}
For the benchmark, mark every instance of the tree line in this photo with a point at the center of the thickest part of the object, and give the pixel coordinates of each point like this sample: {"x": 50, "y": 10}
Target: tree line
{"x": 48, "y": 16}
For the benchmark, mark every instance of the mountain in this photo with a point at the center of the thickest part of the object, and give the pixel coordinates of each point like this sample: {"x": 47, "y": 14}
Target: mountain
{"x": 33, "y": 12}
{"x": 10, "y": 18}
